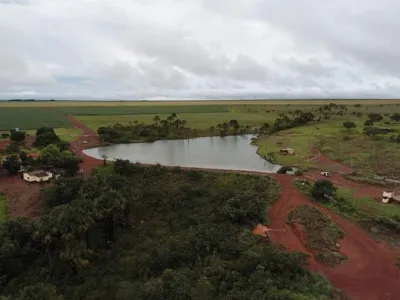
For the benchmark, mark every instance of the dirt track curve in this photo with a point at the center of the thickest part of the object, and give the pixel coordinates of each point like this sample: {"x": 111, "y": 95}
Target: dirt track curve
{"x": 369, "y": 272}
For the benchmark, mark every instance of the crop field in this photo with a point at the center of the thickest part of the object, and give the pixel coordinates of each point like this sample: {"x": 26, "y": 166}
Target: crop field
{"x": 30, "y": 118}
{"x": 141, "y": 110}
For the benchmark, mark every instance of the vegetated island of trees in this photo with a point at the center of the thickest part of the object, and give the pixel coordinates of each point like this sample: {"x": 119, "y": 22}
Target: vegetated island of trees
{"x": 130, "y": 232}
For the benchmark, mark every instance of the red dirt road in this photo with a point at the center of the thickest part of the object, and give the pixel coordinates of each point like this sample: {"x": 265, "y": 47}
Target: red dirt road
{"x": 369, "y": 272}
{"x": 89, "y": 136}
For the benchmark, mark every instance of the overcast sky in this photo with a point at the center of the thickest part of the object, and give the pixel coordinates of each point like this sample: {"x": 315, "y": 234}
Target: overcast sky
{"x": 211, "y": 49}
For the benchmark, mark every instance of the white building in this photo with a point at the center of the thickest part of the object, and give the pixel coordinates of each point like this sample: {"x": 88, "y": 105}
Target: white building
{"x": 37, "y": 176}
{"x": 389, "y": 196}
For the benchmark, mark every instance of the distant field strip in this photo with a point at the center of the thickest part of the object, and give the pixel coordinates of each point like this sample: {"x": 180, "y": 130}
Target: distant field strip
{"x": 77, "y": 103}
{"x": 141, "y": 110}
{"x": 30, "y": 118}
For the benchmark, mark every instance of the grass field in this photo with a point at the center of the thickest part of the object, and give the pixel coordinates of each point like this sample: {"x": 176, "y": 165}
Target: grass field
{"x": 66, "y": 134}
{"x": 367, "y": 155}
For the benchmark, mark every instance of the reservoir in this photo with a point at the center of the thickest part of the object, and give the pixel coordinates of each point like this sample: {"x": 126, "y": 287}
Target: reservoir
{"x": 230, "y": 153}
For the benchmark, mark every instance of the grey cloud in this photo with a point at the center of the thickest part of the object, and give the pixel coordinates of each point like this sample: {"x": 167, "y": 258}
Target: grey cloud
{"x": 199, "y": 48}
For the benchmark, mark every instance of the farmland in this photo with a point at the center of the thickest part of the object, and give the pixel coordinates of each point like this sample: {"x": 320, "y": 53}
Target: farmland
{"x": 328, "y": 137}
{"x": 30, "y": 118}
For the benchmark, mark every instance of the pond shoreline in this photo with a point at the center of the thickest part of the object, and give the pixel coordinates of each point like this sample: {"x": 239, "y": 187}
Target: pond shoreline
{"x": 235, "y": 152}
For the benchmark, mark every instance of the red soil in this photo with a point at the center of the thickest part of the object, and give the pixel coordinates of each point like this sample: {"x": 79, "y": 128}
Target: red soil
{"x": 23, "y": 199}
{"x": 91, "y": 139}
{"x": 369, "y": 272}
{"x": 325, "y": 163}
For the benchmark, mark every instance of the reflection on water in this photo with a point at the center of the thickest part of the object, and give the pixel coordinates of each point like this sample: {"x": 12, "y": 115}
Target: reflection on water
{"x": 230, "y": 152}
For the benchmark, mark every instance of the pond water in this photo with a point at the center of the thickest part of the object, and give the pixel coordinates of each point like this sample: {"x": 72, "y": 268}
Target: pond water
{"x": 230, "y": 153}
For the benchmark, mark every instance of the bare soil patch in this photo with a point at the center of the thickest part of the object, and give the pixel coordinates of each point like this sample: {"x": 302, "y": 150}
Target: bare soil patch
{"x": 23, "y": 199}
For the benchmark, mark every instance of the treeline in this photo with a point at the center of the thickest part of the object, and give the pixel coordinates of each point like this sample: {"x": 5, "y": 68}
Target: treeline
{"x": 129, "y": 232}
{"x": 170, "y": 128}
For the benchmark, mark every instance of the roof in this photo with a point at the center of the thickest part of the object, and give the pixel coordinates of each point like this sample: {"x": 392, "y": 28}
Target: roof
{"x": 39, "y": 173}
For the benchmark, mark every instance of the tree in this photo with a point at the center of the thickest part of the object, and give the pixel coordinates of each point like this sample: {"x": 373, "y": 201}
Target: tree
{"x": 348, "y": 125}
{"x": 13, "y": 148}
{"x": 46, "y": 138}
{"x": 42, "y": 130}
{"x": 375, "y": 117}
{"x": 395, "y": 117}
{"x": 369, "y": 122}
{"x": 156, "y": 119}
{"x": 17, "y": 136}
{"x": 104, "y": 159}
{"x": 41, "y": 291}
{"x": 323, "y": 188}
{"x": 12, "y": 163}
{"x": 50, "y": 155}
{"x": 271, "y": 157}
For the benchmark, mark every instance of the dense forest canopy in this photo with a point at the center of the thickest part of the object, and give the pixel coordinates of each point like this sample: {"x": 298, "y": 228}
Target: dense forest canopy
{"x": 129, "y": 232}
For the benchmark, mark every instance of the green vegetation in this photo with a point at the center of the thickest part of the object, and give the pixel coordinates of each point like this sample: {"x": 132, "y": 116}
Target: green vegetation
{"x": 142, "y": 110}
{"x": 170, "y": 128}
{"x": 322, "y": 234}
{"x": 381, "y": 219}
{"x": 130, "y": 232}
{"x": 3, "y": 208}
{"x": 30, "y": 118}
{"x": 199, "y": 121}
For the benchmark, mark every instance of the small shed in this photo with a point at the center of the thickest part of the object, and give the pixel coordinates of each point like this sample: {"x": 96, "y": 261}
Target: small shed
{"x": 390, "y": 197}
{"x": 287, "y": 151}
{"x": 37, "y": 176}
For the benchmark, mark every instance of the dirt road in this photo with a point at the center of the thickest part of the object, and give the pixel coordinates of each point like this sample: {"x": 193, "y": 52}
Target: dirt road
{"x": 369, "y": 272}
{"x": 86, "y": 139}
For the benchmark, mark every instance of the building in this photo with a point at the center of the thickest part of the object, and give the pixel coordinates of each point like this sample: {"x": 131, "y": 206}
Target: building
{"x": 287, "y": 151}
{"x": 390, "y": 197}
{"x": 37, "y": 176}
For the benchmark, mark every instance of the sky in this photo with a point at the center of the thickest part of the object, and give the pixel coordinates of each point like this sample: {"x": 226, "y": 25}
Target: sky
{"x": 199, "y": 49}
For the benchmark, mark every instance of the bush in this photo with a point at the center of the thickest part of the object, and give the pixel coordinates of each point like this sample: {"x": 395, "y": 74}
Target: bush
{"x": 323, "y": 189}
{"x": 284, "y": 170}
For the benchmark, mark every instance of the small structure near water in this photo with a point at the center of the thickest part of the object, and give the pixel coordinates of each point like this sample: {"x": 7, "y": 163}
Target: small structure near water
{"x": 388, "y": 197}
{"x": 287, "y": 151}
{"x": 37, "y": 176}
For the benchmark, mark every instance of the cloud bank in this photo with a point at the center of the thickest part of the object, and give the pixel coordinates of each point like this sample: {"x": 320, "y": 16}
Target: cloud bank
{"x": 199, "y": 49}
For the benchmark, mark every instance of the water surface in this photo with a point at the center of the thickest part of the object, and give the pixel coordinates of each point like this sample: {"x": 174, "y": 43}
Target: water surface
{"x": 230, "y": 153}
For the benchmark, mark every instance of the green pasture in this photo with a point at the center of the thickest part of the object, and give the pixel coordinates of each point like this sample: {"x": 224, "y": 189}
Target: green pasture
{"x": 367, "y": 155}
{"x": 368, "y": 205}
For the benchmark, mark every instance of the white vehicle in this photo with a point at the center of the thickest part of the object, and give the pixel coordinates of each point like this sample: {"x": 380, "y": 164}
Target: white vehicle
{"x": 326, "y": 174}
